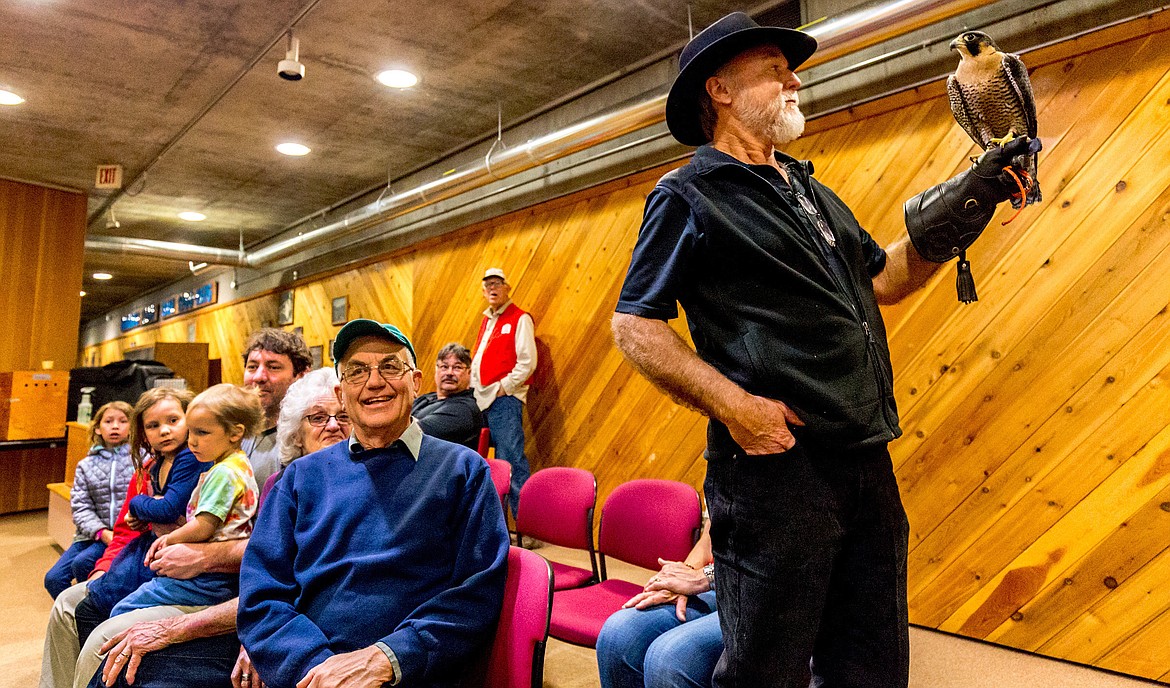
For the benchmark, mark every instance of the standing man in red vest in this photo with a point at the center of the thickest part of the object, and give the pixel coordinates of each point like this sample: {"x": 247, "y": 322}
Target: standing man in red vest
{"x": 505, "y": 358}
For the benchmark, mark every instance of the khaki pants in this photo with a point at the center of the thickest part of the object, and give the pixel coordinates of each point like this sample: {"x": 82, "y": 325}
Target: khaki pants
{"x": 67, "y": 665}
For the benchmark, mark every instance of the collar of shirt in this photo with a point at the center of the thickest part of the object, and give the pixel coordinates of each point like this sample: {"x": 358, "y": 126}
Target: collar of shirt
{"x": 708, "y": 157}
{"x": 411, "y": 439}
{"x": 496, "y": 313}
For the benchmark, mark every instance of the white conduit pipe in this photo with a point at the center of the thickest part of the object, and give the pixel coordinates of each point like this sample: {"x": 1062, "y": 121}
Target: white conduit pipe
{"x": 839, "y": 36}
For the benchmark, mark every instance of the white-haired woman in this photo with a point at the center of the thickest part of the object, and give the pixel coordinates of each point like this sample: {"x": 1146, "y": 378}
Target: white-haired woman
{"x": 200, "y": 649}
{"x": 310, "y": 418}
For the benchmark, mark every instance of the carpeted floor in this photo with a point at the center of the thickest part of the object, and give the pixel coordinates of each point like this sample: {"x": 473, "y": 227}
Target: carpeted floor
{"x": 937, "y": 660}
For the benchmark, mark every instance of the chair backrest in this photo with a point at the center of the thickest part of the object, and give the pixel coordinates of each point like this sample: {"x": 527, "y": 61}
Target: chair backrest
{"x": 485, "y": 441}
{"x": 556, "y": 505}
{"x": 516, "y": 659}
{"x": 502, "y": 478}
{"x": 646, "y": 519}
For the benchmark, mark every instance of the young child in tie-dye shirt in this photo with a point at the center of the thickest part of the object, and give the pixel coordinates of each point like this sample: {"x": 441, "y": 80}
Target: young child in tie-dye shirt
{"x": 223, "y": 504}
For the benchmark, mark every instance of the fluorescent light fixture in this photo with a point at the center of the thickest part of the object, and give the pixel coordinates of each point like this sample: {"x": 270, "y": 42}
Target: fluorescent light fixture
{"x": 102, "y": 276}
{"x": 290, "y": 148}
{"x": 397, "y": 78}
{"x": 192, "y": 216}
{"x": 10, "y": 98}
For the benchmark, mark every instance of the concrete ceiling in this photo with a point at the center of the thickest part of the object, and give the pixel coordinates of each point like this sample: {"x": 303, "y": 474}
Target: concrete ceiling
{"x": 185, "y": 96}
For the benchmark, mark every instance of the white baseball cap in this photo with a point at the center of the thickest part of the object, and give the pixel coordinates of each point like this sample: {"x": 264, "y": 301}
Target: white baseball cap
{"x": 495, "y": 272}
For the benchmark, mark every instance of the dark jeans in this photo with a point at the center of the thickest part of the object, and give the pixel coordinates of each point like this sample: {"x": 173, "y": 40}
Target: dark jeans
{"x": 75, "y": 563}
{"x": 202, "y": 663}
{"x": 505, "y": 418}
{"x": 88, "y": 616}
{"x": 810, "y": 563}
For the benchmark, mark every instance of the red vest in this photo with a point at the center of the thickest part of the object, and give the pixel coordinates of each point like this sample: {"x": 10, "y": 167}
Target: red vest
{"x": 499, "y": 351}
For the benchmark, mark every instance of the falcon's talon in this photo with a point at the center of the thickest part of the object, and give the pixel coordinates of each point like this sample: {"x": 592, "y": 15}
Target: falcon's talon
{"x": 1003, "y": 140}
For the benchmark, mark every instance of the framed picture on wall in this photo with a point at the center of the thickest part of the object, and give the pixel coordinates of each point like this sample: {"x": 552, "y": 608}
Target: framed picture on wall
{"x": 318, "y": 354}
{"x": 340, "y": 310}
{"x": 330, "y": 351}
{"x": 299, "y": 331}
{"x": 284, "y": 308}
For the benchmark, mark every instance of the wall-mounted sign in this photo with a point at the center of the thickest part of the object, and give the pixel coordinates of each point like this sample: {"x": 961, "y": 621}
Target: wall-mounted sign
{"x": 108, "y": 177}
{"x": 198, "y": 298}
{"x": 169, "y": 308}
{"x": 149, "y": 315}
{"x": 131, "y": 320}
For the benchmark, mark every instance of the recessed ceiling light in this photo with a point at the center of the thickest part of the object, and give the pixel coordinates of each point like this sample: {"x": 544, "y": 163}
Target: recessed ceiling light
{"x": 289, "y": 148}
{"x": 192, "y": 216}
{"x": 397, "y": 78}
{"x": 83, "y": 292}
{"x": 10, "y": 98}
{"x": 102, "y": 276}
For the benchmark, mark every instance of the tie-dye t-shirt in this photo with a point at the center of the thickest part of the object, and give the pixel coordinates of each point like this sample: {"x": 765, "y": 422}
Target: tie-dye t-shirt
{"x": 227, "y": 491}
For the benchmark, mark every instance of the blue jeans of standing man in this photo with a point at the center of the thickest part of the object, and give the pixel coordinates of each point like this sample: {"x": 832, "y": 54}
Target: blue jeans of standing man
{"x": 652, "y": 649}
{"x": 76, "y": 563}
{"x": 810, "y": 564}
{"x": 505, "y": 419}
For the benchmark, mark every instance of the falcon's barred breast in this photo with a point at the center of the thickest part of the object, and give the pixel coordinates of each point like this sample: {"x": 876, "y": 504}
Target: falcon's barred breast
{"x": 991, "y": 98}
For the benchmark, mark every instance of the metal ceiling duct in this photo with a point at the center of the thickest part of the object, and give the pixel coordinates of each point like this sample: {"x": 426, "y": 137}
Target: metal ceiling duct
{"x": 837, "y": 37}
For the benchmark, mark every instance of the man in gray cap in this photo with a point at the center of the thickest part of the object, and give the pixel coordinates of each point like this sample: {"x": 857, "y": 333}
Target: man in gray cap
{"x": 781, "y": 289}
{"x": 381, "y": 559}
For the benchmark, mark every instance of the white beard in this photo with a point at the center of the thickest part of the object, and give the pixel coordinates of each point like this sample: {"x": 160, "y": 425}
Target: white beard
{"x": 772, "y": 119}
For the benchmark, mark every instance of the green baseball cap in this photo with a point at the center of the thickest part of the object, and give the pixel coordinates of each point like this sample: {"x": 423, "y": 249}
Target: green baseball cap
{"x": 363, "y": 327}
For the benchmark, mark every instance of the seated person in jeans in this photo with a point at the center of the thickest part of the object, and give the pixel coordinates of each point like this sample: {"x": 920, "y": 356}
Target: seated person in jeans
{"x": 450, "y": 412}
{"x": 668, "y": 635}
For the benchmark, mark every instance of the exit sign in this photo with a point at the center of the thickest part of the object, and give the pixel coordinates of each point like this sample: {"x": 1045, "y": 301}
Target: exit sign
{"x": 108, "y": 177}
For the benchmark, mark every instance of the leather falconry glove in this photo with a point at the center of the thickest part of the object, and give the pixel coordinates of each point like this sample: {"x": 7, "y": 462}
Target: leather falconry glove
{"x": 945, "y": 219}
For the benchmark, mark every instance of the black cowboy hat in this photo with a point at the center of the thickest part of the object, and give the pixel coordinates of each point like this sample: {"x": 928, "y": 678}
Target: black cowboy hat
{"x": 709, "y": 51}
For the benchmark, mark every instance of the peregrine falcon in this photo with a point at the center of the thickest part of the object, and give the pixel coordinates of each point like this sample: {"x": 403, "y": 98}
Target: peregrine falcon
{"x": 991, "y": 98}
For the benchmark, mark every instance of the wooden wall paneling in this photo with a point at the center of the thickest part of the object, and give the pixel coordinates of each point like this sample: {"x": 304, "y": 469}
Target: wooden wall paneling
{"x": 1118, "y": 268}
{"x": 1088, "y": 352}
{"x": 1120, "y": 614}
{"x": 1132, "y": 544}
{"x": 1060, "y": 163}
{"x": 226, "y": 329}
{"x": 1002, "y": 539}
{"x": 1135, "y": 482}
{"x": 42, "y": 235}
{"x": 26, "y": 472}
{"x": 1104, "y": 219}
{"x": 1146, "y": 653}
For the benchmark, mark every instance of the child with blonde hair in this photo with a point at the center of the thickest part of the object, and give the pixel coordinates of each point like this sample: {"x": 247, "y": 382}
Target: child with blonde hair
{"x": 223, "y": 504}
{"x": 99, "y": 488}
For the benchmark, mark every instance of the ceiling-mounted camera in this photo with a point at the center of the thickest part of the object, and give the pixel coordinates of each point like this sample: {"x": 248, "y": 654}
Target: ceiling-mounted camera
{"x": 290, "y": 68}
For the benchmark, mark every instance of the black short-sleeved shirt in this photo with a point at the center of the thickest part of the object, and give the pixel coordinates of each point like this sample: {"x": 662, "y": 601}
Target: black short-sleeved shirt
{"x": 778, "y": 292}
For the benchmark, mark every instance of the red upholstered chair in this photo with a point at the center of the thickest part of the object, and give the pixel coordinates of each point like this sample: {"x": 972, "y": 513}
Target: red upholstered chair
{"x": 641, "y": 521}
{"x": 516, "y": 659}
{"x": 556, "y": 506}
{"x": 485, "y": 442}
{"x": 502, "y": 478}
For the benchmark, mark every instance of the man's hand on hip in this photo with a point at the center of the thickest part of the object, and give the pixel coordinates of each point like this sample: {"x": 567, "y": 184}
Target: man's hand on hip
{"x": 760, "y": 426}
{"x": 368, "y": 668}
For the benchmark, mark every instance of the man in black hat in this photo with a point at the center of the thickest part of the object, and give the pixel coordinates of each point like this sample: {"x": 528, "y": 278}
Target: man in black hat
{"x": 781, "y": 289}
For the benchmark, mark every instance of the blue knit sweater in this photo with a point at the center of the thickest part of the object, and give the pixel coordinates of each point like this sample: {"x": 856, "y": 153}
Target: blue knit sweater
{"x": 355, "y": 548}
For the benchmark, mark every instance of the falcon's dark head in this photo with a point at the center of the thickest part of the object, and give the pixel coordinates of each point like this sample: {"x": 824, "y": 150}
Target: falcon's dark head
{"x": 972, "y": 43}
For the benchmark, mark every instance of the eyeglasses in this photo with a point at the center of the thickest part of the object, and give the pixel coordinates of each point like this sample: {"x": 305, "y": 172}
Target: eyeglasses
{"x": 457, "y": 368}
{"x": 389, "y": 369}
{"x": 320, "y": 420}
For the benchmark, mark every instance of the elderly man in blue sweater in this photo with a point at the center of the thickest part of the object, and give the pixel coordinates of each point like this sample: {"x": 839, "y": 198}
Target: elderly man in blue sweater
{"x": 380, "y": 560}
